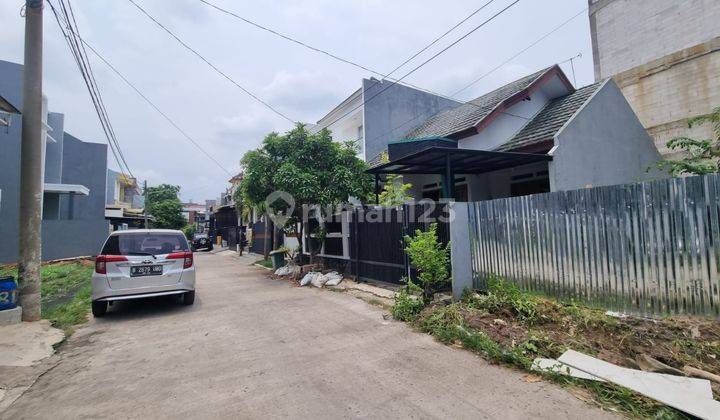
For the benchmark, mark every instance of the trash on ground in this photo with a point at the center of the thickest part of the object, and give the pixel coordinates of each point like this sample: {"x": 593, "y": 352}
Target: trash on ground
{"x": 319, "y": 280}
{"x": 691, "y": 395}
{"x": 333, "y": 278}
{"x": 285, "y": 270}
{"x": 309, "y": 278}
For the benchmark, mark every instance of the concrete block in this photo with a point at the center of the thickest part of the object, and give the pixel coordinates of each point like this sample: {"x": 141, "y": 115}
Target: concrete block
{"x": 11, "y": 316}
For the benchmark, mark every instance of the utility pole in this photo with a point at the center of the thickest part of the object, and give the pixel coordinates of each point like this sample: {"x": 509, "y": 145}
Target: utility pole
{"x": 31, "y": 165}
{"x": 145, "y": 213}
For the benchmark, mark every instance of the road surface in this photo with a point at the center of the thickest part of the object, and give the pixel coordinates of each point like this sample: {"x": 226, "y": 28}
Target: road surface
{"x": 252, "y": 347}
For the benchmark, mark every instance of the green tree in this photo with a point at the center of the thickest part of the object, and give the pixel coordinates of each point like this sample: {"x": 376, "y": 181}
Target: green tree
{"x": 164, "y": 205}
{"x": 395, "y": 191}
{"x": 700, "y": 157}
{"x": 312, "y": 168}
{"x": 430, "y": 259}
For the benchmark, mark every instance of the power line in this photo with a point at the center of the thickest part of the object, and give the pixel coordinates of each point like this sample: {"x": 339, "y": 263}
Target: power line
{"x": 155, "y": 107}
{"x": 438, "y": 38}
{"x": 71, "y": 34}
{"x": 335, "y": 56}
{"x": 537, "y": 41}
{"x": 76, "y": 36}
{"x": 426, "y": 61}
{"x": 214, "y": 67}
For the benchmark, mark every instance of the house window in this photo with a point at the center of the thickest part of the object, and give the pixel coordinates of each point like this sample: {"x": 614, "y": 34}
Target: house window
{"x": 530, "y": 183}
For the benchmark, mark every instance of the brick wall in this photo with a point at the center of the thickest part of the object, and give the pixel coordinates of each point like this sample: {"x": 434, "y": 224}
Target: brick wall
{"x": 665, "y": 56}
{"x": 628, "y": 33}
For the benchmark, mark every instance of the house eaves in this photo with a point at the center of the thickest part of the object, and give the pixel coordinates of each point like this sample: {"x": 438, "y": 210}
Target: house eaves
{"x": 536, "y": 84}
{"x": 337, "y": 110}
{"x": 538, "y": 135}
{"x": 471, "y": 117}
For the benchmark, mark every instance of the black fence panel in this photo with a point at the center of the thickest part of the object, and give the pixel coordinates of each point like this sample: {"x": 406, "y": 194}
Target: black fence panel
{"x": 377, "y": 248}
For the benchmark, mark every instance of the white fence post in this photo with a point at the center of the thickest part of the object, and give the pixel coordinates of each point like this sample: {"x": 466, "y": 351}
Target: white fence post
{"x": 460, "y": 258}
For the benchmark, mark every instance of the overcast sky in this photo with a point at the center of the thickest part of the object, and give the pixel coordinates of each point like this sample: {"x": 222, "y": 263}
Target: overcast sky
{"x": 300, "y": 83}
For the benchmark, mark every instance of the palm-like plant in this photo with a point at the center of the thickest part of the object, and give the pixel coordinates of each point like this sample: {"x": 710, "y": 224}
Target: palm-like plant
{"x": 700, "y": 156}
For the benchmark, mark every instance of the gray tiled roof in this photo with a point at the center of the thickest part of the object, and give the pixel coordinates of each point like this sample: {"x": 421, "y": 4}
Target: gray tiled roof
{"x": 467, "y": 115}
{"x": 548, "y": 121}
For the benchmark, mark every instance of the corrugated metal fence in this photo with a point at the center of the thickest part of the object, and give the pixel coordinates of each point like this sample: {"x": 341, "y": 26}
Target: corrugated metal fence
{"x": 649, "y": 248}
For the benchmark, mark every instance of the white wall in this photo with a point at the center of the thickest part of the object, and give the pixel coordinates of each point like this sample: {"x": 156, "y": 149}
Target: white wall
{"x": 603, "y": 144}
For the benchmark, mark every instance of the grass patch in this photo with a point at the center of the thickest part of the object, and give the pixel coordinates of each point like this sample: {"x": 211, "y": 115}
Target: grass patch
{"x": 66, "y": 291}
{"x": 512, "y": 327}
{"x": 67, "y": 315}
{"x": 265, "y": 263}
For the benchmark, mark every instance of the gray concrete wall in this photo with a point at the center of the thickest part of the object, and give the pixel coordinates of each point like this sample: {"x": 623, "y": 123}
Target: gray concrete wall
{"x": 603, "y": 144}
{"x": 10, "y": 187}
{"x": 628, "y": 33}
{"x": 110, "y": 186}
{"x": 82, "y": 163}
{"x": 392, "y": 113}
{"x": 85, "y": 164}
{"x": 54, "y": 150}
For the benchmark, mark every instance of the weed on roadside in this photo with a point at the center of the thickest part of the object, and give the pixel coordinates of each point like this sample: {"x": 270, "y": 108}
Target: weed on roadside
{"x": 512, "y": 327}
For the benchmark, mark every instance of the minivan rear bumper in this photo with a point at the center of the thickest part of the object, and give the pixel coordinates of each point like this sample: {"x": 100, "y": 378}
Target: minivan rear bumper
{"x": 143, "y": 295}
{"x": 102, "y": 291}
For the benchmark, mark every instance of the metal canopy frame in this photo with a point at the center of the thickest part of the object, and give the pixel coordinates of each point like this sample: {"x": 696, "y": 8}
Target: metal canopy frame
{"x": 448, "y": 161}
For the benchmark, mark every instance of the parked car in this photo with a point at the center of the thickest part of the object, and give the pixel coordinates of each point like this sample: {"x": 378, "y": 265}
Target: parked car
{"x": 201, "y": 241}
{"x": 135, "y": 264}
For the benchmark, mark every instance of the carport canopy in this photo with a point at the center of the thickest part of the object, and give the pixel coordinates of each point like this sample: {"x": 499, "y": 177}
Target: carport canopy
{"x": 448, "y": 161}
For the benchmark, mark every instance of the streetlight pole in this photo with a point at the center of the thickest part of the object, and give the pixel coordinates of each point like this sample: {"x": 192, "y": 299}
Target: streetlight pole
{"x": 31, "y": 167}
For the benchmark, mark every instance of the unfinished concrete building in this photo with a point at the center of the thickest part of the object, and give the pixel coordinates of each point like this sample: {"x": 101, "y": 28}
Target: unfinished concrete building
{"x": 665, "y": 57}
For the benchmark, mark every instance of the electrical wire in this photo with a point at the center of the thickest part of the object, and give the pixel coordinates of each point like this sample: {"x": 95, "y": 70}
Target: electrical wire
{"x": 213, "y": 66}
{"x": 537, "y": 41}
{"x": 485, "y": 22}
{"x": 335, "y": 56}
{"x": 155, "y": 107}
{"x": 71, "y": 33}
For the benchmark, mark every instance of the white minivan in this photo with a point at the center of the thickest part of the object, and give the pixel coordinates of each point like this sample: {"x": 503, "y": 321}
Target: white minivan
{"x": 135, "y": 264}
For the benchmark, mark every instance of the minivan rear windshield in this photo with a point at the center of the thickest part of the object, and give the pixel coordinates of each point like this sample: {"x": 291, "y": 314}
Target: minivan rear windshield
{"x": 145, "y": 244}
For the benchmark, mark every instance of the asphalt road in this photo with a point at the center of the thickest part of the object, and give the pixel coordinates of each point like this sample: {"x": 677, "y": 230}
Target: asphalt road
{"x": 252, "y": 347}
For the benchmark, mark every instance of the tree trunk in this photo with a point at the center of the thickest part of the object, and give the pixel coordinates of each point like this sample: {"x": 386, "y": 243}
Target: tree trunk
{"x": 300, "y": 242}
{"x": 267, "y": 238}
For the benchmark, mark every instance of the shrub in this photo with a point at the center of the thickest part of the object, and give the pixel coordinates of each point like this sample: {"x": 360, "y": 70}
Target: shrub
{"x": 189, "y": 231}
{"x": 430, "y": 259}
{"x": 407, "y": 307}
{"x": 505, "y": 295}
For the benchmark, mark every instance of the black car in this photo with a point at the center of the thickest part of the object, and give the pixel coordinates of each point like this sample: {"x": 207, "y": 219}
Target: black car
{"x": 201, "y": 241}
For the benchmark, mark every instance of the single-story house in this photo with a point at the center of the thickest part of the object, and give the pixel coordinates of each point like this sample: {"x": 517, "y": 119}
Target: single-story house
{"x": 535, "y": 134}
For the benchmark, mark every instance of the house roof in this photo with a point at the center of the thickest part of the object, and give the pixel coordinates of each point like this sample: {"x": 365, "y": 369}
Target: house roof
{"x": 471, "y": 113}
{"x": 550, "y": 119}
{"x": 433, "y": 160}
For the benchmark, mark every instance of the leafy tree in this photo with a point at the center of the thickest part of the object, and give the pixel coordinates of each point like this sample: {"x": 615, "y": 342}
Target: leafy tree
{"x": 395, "y": 191}
{"x": 701, "y": 156}
{"x": 430, "y": 259}
{"x": 164, "y": 205}
{"x": 312, "y": 168}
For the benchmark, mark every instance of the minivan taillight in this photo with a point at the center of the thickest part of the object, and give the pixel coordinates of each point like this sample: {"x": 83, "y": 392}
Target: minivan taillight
{"x": 102, "y": 260}
{"x": 186, "y": 256}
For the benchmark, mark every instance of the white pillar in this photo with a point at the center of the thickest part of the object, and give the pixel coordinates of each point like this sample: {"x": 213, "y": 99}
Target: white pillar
{"x": 460, "y": 250}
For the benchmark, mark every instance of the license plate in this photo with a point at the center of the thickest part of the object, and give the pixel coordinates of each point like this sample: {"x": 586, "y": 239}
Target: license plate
{"x": 146, "y": 270}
